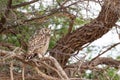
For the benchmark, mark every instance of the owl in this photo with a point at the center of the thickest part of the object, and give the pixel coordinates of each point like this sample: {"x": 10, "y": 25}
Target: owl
{"x": 38, "y": 43}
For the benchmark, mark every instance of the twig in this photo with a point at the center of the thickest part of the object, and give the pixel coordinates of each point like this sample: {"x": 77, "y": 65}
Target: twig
{"x": 23, "y": 71}
{"x": 53, "y": 11}
{"x": 10, "y": 54}
{"x": 11, "y": 70}
{"x": 8, "y": 45}
{"x": 105, "y": 51}
{"x": 116, "y": 27}
{"x": 23, "y": 4}
{"x": 71, "y": 23}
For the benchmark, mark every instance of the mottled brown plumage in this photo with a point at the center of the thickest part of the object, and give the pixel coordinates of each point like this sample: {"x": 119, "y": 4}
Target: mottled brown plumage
{"x": 38, "y": 43}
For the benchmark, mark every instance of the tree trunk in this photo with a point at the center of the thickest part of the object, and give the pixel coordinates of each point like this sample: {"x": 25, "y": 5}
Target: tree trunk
{"x": 72, "y": 42}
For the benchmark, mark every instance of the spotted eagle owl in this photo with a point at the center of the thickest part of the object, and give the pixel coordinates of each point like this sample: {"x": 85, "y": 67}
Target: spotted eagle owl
{"x": 38, "y": 43}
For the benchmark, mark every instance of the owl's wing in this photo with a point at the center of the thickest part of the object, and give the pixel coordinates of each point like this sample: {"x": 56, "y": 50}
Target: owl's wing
{"x": 37, "y": 41}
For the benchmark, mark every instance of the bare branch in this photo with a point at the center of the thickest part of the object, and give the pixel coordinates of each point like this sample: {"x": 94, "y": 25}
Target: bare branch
{"x": 7, "y": 45}
{"x": 44, "y": 75}
{"x": 59, "y": 68}
{"x": 11, "y": 70}
{"x": 54, "y": 61}
{"x": 105, "y": 51}
{"x": 92, "y": 65}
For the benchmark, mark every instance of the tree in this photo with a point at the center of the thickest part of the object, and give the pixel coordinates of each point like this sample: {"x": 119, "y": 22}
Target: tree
{"x": 19, "y": 20}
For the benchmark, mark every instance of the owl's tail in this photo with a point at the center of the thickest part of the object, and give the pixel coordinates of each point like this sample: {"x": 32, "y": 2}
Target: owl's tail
{"x": 29, "y": 57}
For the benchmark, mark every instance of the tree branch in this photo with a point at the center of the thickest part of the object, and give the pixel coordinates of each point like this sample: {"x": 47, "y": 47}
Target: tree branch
{"x": 34, "y": 63}
{"x": 23, "y": 4}
{"x": 88, "y": 65}
{"x": 85, "y": 34}
{"x": 105, "y": 51}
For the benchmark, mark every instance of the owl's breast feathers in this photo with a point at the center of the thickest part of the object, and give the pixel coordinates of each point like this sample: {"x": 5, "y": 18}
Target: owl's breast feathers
{"x": 38, "y": 44}
{"x": 48, "y": 35}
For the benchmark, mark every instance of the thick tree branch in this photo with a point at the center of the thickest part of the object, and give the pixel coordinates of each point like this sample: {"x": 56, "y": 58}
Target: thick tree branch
{"x": 85, "y": 34}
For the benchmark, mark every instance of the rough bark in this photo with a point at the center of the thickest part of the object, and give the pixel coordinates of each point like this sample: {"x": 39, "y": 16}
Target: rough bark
{"x": 72, "y": 42}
